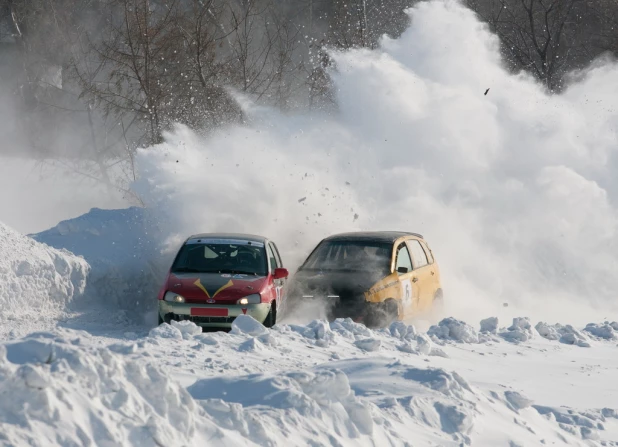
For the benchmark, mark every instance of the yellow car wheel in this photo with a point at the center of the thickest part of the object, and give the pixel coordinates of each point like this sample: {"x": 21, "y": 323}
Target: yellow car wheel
{"x": 382, "y": 314}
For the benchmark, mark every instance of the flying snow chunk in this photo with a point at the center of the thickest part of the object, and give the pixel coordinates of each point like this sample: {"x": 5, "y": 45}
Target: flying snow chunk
{"x": 450, "y": 329}
{"x": 246, "y": 324}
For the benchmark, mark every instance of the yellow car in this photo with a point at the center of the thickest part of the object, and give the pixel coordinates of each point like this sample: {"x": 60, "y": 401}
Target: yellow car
{"x": 371, "y": 277}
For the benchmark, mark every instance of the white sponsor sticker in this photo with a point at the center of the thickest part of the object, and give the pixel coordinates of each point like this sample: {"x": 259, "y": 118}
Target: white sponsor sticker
{"x": 406, "y": 299}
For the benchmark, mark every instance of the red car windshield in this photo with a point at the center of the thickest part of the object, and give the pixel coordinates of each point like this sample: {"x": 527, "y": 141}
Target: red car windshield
{"x": 221, "y": 258}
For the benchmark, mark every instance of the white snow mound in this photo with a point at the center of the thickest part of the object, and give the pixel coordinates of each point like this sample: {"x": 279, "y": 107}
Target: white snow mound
{"x": 69, "y": 395}
{"x": 450, "y": 329}
{"x": 35, "y": 278}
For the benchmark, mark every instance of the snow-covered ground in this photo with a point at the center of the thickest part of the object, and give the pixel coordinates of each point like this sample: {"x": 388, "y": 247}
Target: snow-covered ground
{"x": 317, "y": 384}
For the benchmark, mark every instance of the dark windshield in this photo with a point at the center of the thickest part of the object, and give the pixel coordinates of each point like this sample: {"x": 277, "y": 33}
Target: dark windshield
{"x": 350, "y": 255}
{"x": 215, "y": 257}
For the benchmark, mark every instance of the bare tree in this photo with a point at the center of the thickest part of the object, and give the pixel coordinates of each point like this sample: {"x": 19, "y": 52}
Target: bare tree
{"x": 138, "y": 63}
{"x": 545, "y": 37}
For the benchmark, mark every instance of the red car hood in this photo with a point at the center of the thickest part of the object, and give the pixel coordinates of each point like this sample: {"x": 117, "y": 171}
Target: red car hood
{"x": 214, "y": 288}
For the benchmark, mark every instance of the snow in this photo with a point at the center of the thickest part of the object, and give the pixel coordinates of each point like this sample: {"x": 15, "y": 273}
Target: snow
{"x": 565, "y": 334}
{"x": 321, "y": 383}
{"x": 127, "y": 253}
{"x": 489, "y": 325}
{"x": 246, "y": 324}
{"x": 520, "y": 330}
{"x": 81, "y": 362}
{"x": 69, "y": 394}
{"x": 450, "y": 329}
{"x": 166, "y": 331}
{"x": 37, "y": 282}
{"x": 606, "y": 331}
{"x": 189, "y": 388}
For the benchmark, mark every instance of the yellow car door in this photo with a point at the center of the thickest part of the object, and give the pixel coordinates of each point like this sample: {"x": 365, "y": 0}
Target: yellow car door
{"x": 409, "y": 291}
{"x": 421, "y": 275}
{"x": 434, "y": 270}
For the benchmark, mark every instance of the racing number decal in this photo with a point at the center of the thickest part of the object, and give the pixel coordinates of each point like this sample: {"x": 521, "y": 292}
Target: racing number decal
{"x": 407, "y": 293}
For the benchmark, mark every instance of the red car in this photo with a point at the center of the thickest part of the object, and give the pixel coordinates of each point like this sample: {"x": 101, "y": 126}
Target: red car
{"x": 216, "y": 277}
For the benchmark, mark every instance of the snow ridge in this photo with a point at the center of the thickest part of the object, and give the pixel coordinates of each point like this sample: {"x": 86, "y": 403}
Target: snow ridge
{"x": 37, "y": 281}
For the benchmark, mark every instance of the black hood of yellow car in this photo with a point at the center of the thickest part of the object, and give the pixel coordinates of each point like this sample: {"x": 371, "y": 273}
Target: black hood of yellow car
{"x": 341, "y": 293}
{"x": 324, "y": 283}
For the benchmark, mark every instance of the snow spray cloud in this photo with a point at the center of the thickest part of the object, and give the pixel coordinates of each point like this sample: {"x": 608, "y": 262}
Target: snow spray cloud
{"x": 514, "y": 189}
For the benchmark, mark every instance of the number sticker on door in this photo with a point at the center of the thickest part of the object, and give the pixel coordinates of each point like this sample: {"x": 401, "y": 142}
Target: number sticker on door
{"x": 406, "y": 299}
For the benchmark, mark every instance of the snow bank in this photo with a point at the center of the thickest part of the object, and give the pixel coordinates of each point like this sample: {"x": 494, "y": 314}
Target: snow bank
{"x": 313, "y": 405}
{"x": 125, "y": 250}
{"x": 277, "y": 387}
{"x": 71, "y": 395}
{"x": 37, "y": 280}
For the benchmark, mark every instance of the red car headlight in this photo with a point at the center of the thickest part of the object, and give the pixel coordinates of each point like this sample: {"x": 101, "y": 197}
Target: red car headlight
{"x": 251, "y": 299}
{"x": 174, "y": 297}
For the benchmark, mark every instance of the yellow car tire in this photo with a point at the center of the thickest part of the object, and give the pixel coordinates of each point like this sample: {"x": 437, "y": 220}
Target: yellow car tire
{"x": 382, "y": 314}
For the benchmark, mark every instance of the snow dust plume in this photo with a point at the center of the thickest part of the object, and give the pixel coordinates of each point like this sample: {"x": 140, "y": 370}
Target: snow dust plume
{"x": 513, "y": 189}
